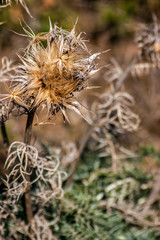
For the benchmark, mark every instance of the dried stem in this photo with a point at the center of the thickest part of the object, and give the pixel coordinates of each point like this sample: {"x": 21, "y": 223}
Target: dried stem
{"x": 27, "y": 140}
{"x": 4, "y": 134}
{"x": 125, "y": 73}
{"x": 154, "y": 195}
{"x": 82, "y": 146}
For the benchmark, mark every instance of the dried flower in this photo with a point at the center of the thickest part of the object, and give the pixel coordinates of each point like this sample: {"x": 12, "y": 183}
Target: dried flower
{"x": 49, "y": 76}
{"x": 149, "y": 41}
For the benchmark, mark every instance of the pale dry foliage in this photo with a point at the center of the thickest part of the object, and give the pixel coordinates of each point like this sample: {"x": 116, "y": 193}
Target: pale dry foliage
{"x": 115, "y": 109}
{"x": 67, "y": 152}
{"x": 45, "y": 183}
{"x": 114, "y": 115}
{"x": 38, "y": 229}
{"x": 6, "y": 3}
{"x": 6, "y": 70}
{"x": 45, "y": 170}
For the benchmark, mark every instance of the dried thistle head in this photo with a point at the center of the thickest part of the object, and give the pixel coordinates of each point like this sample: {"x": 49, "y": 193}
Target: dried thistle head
{"x": 50, "y": 75}
{"x": 149, "y": 41}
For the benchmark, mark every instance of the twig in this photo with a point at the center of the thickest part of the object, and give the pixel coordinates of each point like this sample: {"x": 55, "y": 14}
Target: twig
{"x": 139, "y": 220}
{"x": 83, "y": 143}
{"x": 4, "y": 134}
{"x": 154, "y": 193}
{"x": 27, "y": 140}
{"x": 125, "y": 73}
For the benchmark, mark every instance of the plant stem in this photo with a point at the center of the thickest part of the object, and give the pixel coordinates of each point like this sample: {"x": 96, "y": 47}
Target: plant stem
{"x": 82, "y": 146}
{"x": 4, "y": 134}
{"x": 125, "y": 73}
{"x": 27, "y": 140}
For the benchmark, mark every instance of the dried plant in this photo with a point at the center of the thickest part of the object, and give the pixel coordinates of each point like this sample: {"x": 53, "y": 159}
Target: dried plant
{"x": 45, "y": 172}
{"x": 114, "y": 115}
{"x": 19, "y": 157}
{"x": 46, "y": 79}
{"x": 49, "y": 76}
{"x": 39, "y": 229}
{"x": 67, "y": 152}
{"x": 44, "y": 182}
{"x": 6, "y": 3}
{"x": 114, "y": 111}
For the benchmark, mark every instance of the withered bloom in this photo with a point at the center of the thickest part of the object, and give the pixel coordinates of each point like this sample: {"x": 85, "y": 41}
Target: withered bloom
{"x": 148, "y": 41}
{"x": 54, "y": 66}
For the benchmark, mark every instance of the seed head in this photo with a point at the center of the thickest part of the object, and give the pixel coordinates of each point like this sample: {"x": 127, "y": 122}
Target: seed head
{"x": 54, "y": 66}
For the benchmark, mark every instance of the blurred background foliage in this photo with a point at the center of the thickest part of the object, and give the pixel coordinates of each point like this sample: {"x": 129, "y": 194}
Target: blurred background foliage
{"x": 117, "y": 17}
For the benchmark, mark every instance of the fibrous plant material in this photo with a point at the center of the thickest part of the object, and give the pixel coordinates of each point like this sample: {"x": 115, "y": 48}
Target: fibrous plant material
{"x": 114, "y": 114}
{"x": 6, "y": 3}
{"x": 19, "y": 156}
{"x": 39, "y": 228}
{"x": 44, "y": 184}
{"x": 6, "y": 69}
{"x": 67, "y": 152}
{"x": 49, "y": 76}
{"x": 114, "y": 111}
{"x": 43, "y": 171}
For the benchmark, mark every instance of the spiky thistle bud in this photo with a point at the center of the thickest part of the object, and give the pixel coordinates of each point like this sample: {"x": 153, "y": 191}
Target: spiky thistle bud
{"x": 49, "y": 75}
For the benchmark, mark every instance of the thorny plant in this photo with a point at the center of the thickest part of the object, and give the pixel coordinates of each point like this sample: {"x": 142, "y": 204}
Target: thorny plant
{"x": 46, "y": 78}
{"x": 49, "y": 76}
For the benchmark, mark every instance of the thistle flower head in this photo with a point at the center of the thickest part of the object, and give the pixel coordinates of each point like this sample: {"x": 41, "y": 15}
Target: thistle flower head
{"x": 49, "y": 75}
